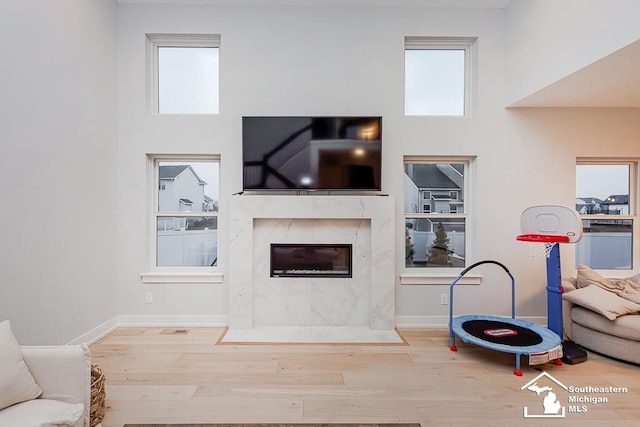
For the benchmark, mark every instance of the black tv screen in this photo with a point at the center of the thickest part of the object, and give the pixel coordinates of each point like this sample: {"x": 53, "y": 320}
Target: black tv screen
{"x": 311, "y": 153}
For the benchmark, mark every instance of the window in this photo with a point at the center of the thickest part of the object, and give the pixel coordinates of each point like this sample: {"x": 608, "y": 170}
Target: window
{"x": 438, "y": 75}
{"x": 436, "y": 236}
{"x": 184, "y": 73}
{"x": 606, "y": 198}
{"x": 185, "y": 211}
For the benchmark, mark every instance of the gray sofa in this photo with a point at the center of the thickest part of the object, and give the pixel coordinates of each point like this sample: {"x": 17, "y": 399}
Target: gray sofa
{"x": 595, "y": 326}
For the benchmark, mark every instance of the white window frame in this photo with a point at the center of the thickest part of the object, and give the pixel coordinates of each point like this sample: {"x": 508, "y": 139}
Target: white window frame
{"x": 469, "y": 45}
{"x": 633, "y": 216}
{"x": 155, "y": 41}
{"x": 445, "y": 275}
{"x": 175, "y": 274}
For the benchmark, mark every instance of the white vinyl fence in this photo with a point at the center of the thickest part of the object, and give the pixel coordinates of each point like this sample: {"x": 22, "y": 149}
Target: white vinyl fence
{"x": 423, "y": 241}
{"x": 605, "y": 251}
{"x": 187, "y": 248}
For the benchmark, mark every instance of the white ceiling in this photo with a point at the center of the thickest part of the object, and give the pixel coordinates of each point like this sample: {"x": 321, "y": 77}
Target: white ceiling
{"x": 613, "y": 81}
{"x": 499, "y": 4}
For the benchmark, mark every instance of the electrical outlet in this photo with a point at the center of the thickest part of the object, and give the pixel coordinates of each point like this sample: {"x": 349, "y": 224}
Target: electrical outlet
{"x": 149, "y": 298}
{"x": 444, "y": 299}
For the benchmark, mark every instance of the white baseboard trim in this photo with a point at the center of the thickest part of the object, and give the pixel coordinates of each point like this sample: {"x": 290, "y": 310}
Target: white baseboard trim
{"x": 179, "y": 320}
{"x": 435, "y": 322}
{"x": 96, "y": 333}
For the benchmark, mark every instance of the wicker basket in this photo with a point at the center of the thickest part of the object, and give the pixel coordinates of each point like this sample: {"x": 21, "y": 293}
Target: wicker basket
{"x": 97, "y": 396}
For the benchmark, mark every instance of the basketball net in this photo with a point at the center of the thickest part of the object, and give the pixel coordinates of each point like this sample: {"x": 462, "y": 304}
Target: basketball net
{"x": 538, "y": 250}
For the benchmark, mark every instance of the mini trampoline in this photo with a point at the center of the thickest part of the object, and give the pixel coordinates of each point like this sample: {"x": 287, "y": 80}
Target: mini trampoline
{"x": 508, "y": 335}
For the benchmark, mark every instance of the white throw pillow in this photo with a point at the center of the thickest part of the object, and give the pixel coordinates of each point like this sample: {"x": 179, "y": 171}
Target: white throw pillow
{"x": 16, "y": 382}
{"x": 42, "y": 413}
{"x": 601, "y": 301}
{"x": 628, "y": 288}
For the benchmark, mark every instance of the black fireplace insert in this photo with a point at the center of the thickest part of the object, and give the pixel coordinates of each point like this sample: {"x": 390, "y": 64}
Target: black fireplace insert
{"x": 310, "y": 260}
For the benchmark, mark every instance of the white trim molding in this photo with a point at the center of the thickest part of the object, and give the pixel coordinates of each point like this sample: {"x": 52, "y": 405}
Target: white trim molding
{"x": 171, "y": 278}
{"x": 173, "y": 320}
{"x": 438, "y": 279}
{"x": 96, "y": 333}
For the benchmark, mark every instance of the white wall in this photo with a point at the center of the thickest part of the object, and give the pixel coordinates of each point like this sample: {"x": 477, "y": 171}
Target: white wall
{"x": 546, "y": 40}
{"x": 59, "y": 123}
{"x": 57, "y": 133}
{"x": 349, "y": 61}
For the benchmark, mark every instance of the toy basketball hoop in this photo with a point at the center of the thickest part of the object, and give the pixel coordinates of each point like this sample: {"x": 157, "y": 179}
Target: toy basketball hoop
{"x": 545, "y": 226}
{"x": 548, "y": 242}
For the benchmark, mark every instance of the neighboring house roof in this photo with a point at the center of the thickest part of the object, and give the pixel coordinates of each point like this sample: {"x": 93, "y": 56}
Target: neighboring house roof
{"x": 171, "y": 172}
{"x": 186, "y": 201}
{"x": 588, "y": 201}
{"x": 617, "y": 199}
{"x": 430, "y": 176}
{"x": 207, "y": 199}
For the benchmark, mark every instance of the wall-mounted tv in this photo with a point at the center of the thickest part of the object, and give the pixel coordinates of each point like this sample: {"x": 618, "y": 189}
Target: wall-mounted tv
{"x": 312, "y": 153}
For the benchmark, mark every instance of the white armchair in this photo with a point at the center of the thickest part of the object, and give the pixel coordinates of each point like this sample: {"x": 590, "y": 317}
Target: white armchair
{"x": 64, "y": 375}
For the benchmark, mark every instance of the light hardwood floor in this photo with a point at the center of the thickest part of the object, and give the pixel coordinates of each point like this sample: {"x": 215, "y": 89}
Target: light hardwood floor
{"x": 160, "y": 375}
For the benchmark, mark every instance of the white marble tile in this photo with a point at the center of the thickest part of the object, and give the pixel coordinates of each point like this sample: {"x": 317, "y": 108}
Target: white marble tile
{"x": 364, "y": 301}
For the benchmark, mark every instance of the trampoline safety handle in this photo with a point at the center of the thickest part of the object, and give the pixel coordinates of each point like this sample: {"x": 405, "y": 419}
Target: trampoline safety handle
{"x": 487, "y": 261}
{"x": 465, "y": 271}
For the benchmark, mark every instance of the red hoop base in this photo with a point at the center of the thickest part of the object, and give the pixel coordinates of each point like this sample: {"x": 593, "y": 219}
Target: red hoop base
{"x": 542, "y": 238}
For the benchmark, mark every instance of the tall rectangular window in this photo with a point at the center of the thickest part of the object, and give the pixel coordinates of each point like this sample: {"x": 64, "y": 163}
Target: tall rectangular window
{"x": 606, "y": 197}
{"x": 436, "y": 228}
{"x": 185, "y": 211}
{"x": 438, "y": 75}
{"x": 184, "y": 73}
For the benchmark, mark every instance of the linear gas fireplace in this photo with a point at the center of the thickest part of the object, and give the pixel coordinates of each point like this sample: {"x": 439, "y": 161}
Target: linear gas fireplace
{"x": 310, "y": 260}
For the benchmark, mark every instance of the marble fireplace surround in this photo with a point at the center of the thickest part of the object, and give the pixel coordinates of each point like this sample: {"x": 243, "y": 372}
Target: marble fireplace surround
{"x": 332, "y": 310}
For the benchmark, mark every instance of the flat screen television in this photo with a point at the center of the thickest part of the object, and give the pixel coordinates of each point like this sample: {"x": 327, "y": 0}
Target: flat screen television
{"x": 311, "y": 153}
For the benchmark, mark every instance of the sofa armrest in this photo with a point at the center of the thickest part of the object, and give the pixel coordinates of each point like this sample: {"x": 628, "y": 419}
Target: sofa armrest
{"x": 62, "y": 372}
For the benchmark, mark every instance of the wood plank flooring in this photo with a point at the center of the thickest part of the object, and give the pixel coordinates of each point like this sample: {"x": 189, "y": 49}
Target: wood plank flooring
{"x": 159, "y": 375}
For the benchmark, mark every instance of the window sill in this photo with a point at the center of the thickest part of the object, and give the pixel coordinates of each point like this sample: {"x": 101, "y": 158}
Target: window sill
{"x": 155, "y": 277}
{"x": 438, "y": 279}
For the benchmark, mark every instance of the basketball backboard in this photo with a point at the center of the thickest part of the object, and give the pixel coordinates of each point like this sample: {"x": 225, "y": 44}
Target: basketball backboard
{"x": 552, "y": 220}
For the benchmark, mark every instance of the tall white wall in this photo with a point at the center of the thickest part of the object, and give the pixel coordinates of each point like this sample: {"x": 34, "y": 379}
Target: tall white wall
{"x": 286, "y": 61}
{"x": 58, "y": 171}
{"x": 546, "y": 40}
{"x": 349, "y": 61}
{"x": 85, "y": 233}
